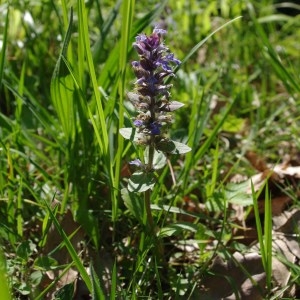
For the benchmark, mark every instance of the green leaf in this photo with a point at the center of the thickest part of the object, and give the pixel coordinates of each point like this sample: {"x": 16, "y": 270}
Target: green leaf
{"x": 97, "y": 292}
{"x": 25, "y": 249}
{"x": 236, "y": 193}
{"x": 169, "y": 146}
{"x": 140, "y": 182}
{"x": 159, "y": 159}
{"x": 178, "y": 228}
{"x": 233, "y": 124}
{"x": 45, "y": 263}
{"x": 130, "y": 134}
{"x": 171, "y": 106}
{"x": 134, "y": 203}
{"x": 66, "y": 292}
{"x": 36, "y": 278}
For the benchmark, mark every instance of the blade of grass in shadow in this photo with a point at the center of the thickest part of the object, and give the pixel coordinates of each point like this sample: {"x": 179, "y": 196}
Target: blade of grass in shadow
{"x": 97, "y": 290}
{"x": 19, "y": 101}
{"x": 265, "y": 241}
{"x": 210, "y": 186}
{"x": 268, "y": 237}
{"x": 84, "y": 32}
{"x": 105, "y": 28}
{"x": 113, "y": 288}
{"x": 76, "y": 259}
{"x": 258, "y": 226}
{"x": 272, "y": 56}
{"x": 3, "y": 46}
{"x": 66, "y": 24}
{"x": 19, "y": 216}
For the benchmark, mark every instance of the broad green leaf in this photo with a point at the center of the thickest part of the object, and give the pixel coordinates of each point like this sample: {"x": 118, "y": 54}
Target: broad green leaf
{"x": 159, "y": 159}
{"x": 177, "y": 228}
{"x": 45, "y": 263}
{"x": 236, "y": 193}
{"x": 36, "y": 278}
{"x": 130, "y": 134}
{"x": 140, "y": 182}
{"x": 169, "y": 146}
{"x": 171, "y": 106}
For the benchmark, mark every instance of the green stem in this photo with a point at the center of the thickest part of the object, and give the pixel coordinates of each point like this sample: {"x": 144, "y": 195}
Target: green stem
{"x": 148, "y": 192}
{"x": 150, "y": 223}
{"x": 158, "y": 247}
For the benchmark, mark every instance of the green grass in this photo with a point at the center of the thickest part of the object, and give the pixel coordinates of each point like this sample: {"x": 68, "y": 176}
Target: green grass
{"x": 64, "y": 74}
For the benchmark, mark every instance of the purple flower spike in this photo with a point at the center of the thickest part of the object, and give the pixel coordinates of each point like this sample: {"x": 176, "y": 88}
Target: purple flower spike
{"x": 151, "y": 96}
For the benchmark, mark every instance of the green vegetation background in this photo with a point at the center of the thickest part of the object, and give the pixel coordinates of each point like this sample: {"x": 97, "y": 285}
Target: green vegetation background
{"x": 64, "y": 74}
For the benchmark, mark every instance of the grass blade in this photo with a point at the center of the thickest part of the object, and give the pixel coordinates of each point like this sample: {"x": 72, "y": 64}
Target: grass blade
{"x": 97, "y": 290}
{"x": 4, "y": 288}
{"x": 113, "y": 282}
{"x": 4, "y": 44}
{"x": 76, "y": 259}
{"x": 62, "y": 89}
{"x": 268, "y": 237}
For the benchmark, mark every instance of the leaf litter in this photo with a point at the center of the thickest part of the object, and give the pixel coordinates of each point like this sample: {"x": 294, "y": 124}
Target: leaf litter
{"x": 241, "y": 274}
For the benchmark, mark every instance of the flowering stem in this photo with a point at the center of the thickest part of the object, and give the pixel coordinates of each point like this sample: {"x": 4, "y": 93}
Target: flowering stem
{"x": 148, "y": 192}
{"x": 151, "y": 98}
{"x": 150, "y": 222}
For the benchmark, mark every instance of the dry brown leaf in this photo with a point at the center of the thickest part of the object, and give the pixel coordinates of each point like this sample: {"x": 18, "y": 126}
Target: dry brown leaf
{"x": 232, "y": 281}
{"x": 288, "y": 222}
{"x": 283, "y": 170}
{"x": 256, "y": 161}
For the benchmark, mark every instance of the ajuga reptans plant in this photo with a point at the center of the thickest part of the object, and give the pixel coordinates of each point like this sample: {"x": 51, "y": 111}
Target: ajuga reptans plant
{"x": 152, "y": 99}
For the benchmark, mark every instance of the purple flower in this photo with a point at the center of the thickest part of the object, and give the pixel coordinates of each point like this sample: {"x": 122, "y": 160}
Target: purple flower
{"x": 170, "y": 57}
{"x": 159, "y": 31}
{"x": 137, "y": 163}
{"x": 138, "y": 123}
{"x": 155, "y": 128}
{"x": 164, "y": 62}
